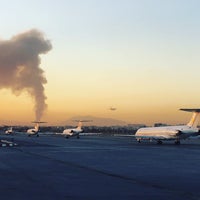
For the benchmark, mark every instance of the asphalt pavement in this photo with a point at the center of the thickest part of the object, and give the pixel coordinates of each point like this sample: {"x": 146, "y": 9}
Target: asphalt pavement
{"x": 98, "y": 167}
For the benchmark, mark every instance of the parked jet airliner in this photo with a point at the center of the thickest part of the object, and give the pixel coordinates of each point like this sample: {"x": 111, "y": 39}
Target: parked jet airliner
{"x": 9, "y": 131}
{"x": 35, "y": 130}
{"x": 70, "y": 132}
{"x": 175, "y": 133}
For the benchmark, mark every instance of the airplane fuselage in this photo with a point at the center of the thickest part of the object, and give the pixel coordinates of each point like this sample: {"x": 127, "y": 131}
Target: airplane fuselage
{"x": 32, "y": 132}
{"x": 71, "y": 132}
{"x": 9, "y": 132}
{"x": 167, "y": 132}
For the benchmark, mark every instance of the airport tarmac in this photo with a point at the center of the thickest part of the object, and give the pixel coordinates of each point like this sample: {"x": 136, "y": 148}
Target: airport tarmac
{"x": 98, "y": 167}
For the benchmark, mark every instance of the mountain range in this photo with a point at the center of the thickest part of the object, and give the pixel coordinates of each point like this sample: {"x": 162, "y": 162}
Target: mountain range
{"x": 94, "y": 121}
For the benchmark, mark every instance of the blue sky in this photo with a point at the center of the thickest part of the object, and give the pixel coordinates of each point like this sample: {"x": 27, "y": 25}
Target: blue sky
{"x": 141, "y": 56}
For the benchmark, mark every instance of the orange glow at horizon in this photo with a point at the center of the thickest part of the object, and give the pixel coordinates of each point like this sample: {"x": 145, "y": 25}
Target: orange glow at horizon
{"x": 62, "y": 109}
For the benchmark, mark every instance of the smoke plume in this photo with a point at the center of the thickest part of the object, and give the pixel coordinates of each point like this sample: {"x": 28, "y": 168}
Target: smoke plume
{"x": 20, "y": 67}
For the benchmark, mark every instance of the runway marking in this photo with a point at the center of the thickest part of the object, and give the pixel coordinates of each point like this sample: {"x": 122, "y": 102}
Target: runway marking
{"x": 6, "y": 143}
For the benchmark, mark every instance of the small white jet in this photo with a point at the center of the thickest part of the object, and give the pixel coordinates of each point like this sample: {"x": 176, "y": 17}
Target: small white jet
{"x": 175, "y": 133}
{"x": 9, "y": 131}
{"x": 70, "y": 132}
{"x": 35, "y": 130}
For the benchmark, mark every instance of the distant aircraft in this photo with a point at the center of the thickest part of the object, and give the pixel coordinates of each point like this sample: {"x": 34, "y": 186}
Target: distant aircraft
{"x": 9, "y": 131}
{"x": 112, "y": 108}
{"x": 70, "y": 132}
{"x": 175, "y": 133}
{"x": 35, "y": 130}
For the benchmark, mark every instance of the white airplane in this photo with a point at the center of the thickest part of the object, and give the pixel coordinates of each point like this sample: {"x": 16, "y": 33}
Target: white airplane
{"x": 175, "y": 133}
{"x": 9, "y": 131}
{"x": 35, "y": 130}
{"x": 70, "y": 132}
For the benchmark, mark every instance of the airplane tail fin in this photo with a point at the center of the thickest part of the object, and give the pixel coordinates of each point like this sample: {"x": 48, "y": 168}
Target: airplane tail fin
{"x": 37, "y": 127}
{"x": 80, "y": 124}
{"x": 195, "y": 117}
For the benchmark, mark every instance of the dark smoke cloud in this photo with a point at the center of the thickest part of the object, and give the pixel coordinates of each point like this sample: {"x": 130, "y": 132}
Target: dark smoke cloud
{"x": 20, "y": 66}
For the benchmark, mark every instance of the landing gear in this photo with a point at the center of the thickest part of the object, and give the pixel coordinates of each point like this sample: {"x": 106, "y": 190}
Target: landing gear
{"x": 78, "y": 137}
{"x": 139, "y": 140}
{"x": 159, "y": 142}
{"x": 177, "y": 142}
{"x": 37, "y": 135}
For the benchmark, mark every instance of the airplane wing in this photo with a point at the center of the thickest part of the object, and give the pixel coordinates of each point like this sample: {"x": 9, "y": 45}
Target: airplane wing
{"x": 146, "y": 137}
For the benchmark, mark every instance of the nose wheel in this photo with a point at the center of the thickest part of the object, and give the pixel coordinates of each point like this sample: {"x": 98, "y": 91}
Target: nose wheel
{"x": 177, "y": 142}
{"x": 159, "y": 142}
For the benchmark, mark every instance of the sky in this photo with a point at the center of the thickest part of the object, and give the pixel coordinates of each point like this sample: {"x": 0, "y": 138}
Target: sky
{"x": 140, "y": 56}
